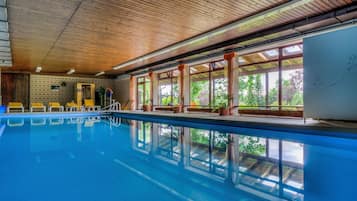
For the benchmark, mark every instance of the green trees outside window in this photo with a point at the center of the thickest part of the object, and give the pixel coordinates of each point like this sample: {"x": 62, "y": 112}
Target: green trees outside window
{"x": 208, "y": 85}
{"x": 168, "y": 88}
{"x": 143, "y": 91}
{"x": 259, "y": 79}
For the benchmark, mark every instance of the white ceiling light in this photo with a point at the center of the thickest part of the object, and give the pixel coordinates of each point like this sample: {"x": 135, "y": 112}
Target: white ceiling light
{"x": 205, "y": 36}
{"x": 71, "y": 71}
{"x": 38, "y": 69}
{"x": 100, "y": 73}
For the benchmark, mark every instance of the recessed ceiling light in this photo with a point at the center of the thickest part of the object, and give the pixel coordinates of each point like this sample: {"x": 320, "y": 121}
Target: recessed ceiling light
{"x": 38, "y": 69}
{"x": 100, "y": 73}
{"x": 71, "y": 71}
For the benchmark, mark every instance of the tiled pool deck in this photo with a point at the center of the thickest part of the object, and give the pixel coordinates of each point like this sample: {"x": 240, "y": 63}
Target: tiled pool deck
{"x": 266, "y": 122}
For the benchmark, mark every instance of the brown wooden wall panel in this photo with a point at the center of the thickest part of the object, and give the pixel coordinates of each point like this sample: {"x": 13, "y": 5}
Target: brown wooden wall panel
{"x": 15, "y": 87}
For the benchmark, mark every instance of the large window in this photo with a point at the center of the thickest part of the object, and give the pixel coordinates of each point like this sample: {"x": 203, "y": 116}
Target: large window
{"x": 169, "y": 145}
{"x": 208, "y": 151}
{"x": 208, "y": 84}
{"x": 143, "y": 91}
{"x": 168, "y": 88}
{"x": 271, "y": 79}
{"x": 271, "y": 165}
{"x": 143, "y": 135}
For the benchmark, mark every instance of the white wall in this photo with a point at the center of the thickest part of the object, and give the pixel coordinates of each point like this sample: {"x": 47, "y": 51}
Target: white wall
{"x": 330, "y": 75}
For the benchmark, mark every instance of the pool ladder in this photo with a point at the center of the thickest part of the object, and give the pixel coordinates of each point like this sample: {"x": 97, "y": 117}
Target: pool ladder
{"x": 114, "y": 107}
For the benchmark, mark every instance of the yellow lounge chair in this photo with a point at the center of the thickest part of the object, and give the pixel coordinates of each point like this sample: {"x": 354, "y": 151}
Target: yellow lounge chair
{"x": 55, "y": 105}
{"x": 39, "y": 106}
{"x": 72, "y": 106}
{"x": 15, "y": 105}
{"x": 89, "y": 105}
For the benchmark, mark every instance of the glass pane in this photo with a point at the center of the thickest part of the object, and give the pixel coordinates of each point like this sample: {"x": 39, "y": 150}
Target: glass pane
{"x": 175, "y": 92}
{"x": 147, "y": 93}
{"x": 144, "y": 135}
{"x": 199, "y": 155}
{"x": 260, "y": 68}
{"x": 292, "y": 50}
{"x": 199, "y": 86}
{"x": 175, "y": 73}
{"x": 169, "y": 145}
{"x": 257, "y": 57}
{"x": 141, "y": 79}
{"x": 241, "y": 60}
{"x": 252, "y": 91}
{"x": 293, "y": 162}
{"x": 294, "y": 63}
{"x": 163, "y": 75}
{"x": 219, "y": 64}
{"x": 252, "y": 145}
{"x": 219, "y": 159}
{"x": 271, "y": 54}
{"x": 200, "y": 68}
{"x": 256, "y": 168}
{"x": 292, "y": 89}
{"x": 168, "y": 91}
{"x": 273, "y": 90}
{"x": 219, "y": 92}
{"x": 164, "y": 93}
{"x": 140, "y": 95}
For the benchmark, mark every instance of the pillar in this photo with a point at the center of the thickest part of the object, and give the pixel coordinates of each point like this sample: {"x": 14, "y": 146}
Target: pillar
{"x": 183, "y": 85}
{"x": 153, "y": 89}
{"x": 280, "y": 99}
{"x": 132, "y": 93}
{"x": 232, "y": 79}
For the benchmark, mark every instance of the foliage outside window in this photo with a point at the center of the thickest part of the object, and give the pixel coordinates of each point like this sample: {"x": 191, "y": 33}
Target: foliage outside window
{"x": 144, "y": 135}
{"x": 169, "y": 145}
{"x": 208, "y": 151}
{"x": 168, "y": 88}
{"x": 274, "y": 164}
{"x": 143, "y": 91}
{"x": 208, "y": 84}
{"x": 259, "y": 79}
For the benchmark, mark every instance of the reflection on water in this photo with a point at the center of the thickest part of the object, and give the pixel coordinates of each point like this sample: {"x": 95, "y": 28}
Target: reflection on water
{"x": 270, "y": 168}
{"x": 113, "y": 158}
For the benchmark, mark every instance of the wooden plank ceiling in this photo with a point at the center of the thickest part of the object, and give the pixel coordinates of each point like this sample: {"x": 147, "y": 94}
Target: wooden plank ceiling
{"x": 94, "y": 35}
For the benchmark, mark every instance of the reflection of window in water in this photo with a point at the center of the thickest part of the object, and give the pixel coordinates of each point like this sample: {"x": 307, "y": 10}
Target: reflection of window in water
{"x": 208, "y": 151}
{"x": 143, "y": 135}
{"x": 169, "y": 143}
{"x": 272, "y": 166}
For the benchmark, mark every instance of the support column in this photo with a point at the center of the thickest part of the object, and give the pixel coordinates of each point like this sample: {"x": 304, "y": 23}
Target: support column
{"x": 184, "y": 82}
{"x": 183, "y": 87}
{"x": 186, "y": 147}
{"x": 132, "y": 93}
{"x": 280, "y": 98}
{"x": 232, "y": 79}
{"x": 235, "y": 159}
{"x": 154, "y": 139}
{"x": 153, "y": 89}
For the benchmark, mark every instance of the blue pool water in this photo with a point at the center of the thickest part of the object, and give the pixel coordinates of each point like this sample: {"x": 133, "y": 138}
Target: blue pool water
{"x": 113, "y": 159}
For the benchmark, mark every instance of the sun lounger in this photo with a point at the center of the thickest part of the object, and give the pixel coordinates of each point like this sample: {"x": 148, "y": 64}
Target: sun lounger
{"x": 89, "y": 105}
{"x": 15, "y": 106}
{"x": 37, "y": 106}
{"x": 55, "y": 105}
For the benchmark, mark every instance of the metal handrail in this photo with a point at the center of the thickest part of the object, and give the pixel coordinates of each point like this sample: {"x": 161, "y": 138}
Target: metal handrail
{"x": 115, "y": 106}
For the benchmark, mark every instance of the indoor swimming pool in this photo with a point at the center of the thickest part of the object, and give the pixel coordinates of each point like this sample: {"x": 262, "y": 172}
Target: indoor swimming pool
{"x": 112, "y": 158}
